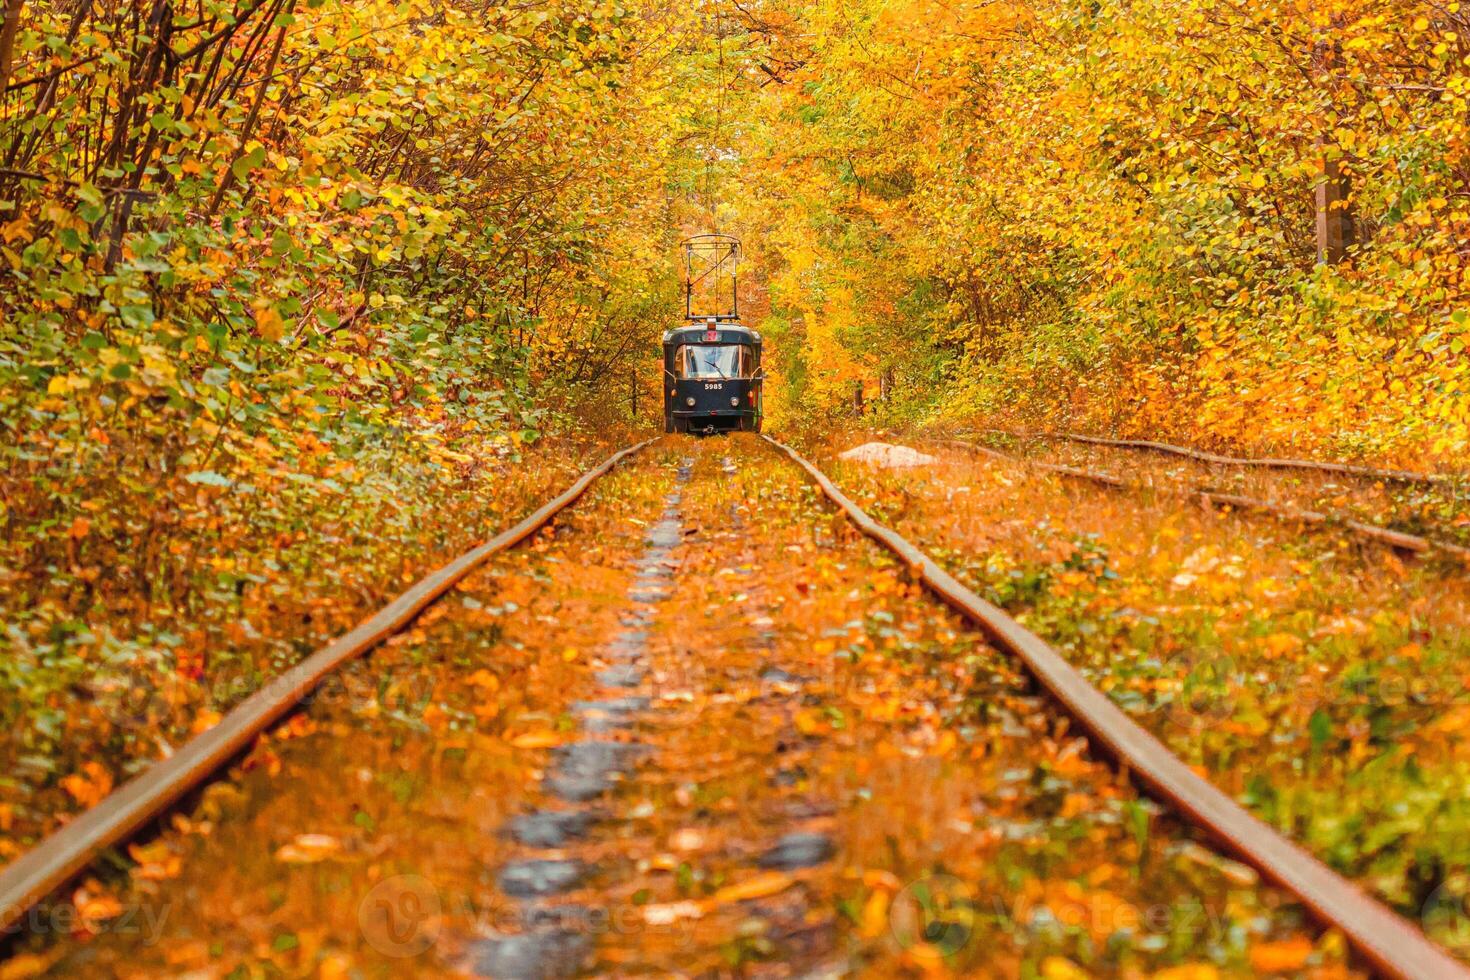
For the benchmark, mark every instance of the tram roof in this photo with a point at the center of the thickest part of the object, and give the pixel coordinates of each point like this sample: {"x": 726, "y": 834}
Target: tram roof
{"x": 724, "y": 333}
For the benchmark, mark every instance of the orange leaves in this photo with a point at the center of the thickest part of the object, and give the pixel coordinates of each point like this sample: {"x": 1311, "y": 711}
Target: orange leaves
{"x": 95, "y": 906}
{"x": 309, "y": 849}
{"x": 16, "y": 230}
{"x": 262, "y": 757}
{"x": 24, "y": 966}
{"x": 537, "y": 740}
{"x": 90, "y": 786}
{"x": 1282, "y": 644}
{"x": 762, "y": 885}
{"x": 189, "y": 663}
{"x": 1070, "y": 759}
{"x": 268, "y": 322}
{"x": 485, "y": 681}
{"x": 1283, "y": 956}
{"x": 810, "y": 721}
{"x": 205, "y": 720}
{"x": 298, "y": 725}
{"x": 873, "y": 921}
{"x": 1187, "y": 971}
{"x": 1099, "y": 911}
{"x": 945, "y": 743}
{"x": 436, "y": 718}
{"x": 156, "y": 861}
{"x": 487, "y": 704}
{"x": 1061, "y": 968}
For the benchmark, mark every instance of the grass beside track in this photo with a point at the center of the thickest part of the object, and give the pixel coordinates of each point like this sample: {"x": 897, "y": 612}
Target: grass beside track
{"x": 1319, "y": 683}
{"x": 797, "y": 683}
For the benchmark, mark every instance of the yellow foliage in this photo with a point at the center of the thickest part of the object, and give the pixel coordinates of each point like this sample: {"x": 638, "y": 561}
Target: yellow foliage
{"x": 1062, "y": 211}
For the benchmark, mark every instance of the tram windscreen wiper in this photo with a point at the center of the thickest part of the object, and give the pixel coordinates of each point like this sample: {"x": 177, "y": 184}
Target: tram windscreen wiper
{"x": 712, "y": 361}
{"x": 708, "y": 361}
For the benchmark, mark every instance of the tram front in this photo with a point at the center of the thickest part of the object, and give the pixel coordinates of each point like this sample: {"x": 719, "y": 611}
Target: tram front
{"x": 712, "y": 376}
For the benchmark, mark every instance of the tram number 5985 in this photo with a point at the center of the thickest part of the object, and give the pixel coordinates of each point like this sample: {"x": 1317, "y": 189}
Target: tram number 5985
{"x": 714, "y": 387}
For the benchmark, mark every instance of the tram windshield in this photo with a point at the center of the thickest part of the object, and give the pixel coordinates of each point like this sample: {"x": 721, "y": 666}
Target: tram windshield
{"x": 713, "y": 361}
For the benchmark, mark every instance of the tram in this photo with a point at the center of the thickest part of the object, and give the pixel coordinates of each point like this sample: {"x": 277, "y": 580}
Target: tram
{"x": 713, "y": 371}
{"x": 712, "y": 364}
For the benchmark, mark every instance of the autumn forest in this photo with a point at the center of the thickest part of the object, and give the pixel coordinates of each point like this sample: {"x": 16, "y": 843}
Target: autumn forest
{"x": 302, "y": 299}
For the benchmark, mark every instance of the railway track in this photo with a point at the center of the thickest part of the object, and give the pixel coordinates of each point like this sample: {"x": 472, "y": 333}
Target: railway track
{"x": 1416, "y": 543}
{"x": 652, "y": 694}
{"x": 56, "y": 860}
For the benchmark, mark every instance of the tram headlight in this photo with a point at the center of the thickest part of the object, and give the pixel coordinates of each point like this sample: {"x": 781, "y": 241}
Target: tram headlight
{"x": 734, "y": 401}
{"x": 689, "y": 401}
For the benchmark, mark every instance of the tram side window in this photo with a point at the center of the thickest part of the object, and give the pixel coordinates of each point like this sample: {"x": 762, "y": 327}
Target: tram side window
{"x": 713, "y": 361}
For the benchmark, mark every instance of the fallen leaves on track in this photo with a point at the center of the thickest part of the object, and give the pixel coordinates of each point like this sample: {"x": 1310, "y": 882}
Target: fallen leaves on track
{"x": 1319, "y": 681}
{"x": 769, "y": 752}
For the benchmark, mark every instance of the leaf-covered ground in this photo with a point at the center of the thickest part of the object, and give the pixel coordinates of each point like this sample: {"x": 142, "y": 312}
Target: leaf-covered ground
{"x": 1438, "y": 511}
{"x": 1318, "y": 679}
{"x": 114, "y": 657}
{"x": 698, "y": 726}
{"x": 285, "y": 287}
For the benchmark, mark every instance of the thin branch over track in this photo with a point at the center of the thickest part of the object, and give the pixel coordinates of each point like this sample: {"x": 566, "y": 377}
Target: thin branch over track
{"x": 1392, "y": 945}
{"x": 1348, "y": 469}
{"x": 1373, "y": 532}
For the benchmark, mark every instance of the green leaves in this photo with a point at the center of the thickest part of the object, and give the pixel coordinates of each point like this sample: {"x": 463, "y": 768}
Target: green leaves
{"x": 1319, "y": 726}
{"x": 92, "y": 207}
{"x": 247, "y": 162}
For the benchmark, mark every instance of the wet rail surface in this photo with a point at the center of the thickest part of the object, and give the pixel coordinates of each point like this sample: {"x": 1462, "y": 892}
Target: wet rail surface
{"x": 702, "y": 727}
{"x": 1268, "y": 658}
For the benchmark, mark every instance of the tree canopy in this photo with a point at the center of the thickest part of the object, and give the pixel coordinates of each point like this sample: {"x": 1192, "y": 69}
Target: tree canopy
{"x": 275, "y": 273}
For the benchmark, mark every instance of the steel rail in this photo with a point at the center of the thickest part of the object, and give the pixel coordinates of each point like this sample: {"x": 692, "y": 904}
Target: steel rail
{"x": 55, "y": 860}
{"x": 1323, "y": 466}
{"x": 1373, "y": 532}
{"x": 1391, "y": 944}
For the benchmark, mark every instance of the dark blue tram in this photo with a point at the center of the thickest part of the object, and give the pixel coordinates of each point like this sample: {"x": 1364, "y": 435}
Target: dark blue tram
{"x": 712, "y": 375}
{"x": 712, "y": 366}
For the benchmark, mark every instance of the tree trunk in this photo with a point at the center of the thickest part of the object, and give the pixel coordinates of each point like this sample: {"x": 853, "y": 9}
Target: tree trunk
{"x": 1335, "y": 221}
{"x": 8, "y": 30}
